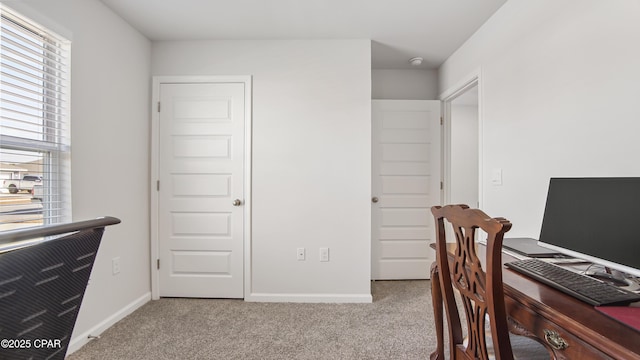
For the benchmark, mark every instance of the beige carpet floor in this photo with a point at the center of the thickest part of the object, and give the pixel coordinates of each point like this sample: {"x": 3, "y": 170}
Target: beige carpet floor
{"x": 397, "y": 325}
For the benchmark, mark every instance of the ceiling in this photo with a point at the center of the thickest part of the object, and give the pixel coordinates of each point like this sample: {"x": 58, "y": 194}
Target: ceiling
{"x": 399, "y": 29}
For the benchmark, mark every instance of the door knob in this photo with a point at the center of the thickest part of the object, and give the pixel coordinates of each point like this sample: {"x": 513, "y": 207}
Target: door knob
{"x": 237, "y": 202}
{"x": 374, "y": 199}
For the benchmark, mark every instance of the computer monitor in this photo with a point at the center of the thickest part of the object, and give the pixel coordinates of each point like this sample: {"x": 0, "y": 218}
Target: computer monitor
{"x": 597, "y": 219}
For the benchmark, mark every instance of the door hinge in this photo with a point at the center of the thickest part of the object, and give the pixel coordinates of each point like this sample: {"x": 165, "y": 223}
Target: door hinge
{"x": 158, "y": 264}
{"x": 441, "y": 185}
{"x": 441, "y": 120}
{"x": 158, "y": 185}
{"x": 158, "y": 106}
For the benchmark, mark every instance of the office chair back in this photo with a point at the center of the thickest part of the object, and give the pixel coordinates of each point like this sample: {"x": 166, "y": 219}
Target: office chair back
{"x": 481, "y": 291}
{"x": 42, "y": 285}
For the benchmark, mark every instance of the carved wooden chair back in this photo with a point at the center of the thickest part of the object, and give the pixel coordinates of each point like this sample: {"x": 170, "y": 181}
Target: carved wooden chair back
{"x": 480, "y": 290}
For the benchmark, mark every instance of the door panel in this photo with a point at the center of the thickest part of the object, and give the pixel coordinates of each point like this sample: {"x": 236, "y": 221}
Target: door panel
{"x": 201, "y": 262}
{"x": 413, "y": 185}
{"x": 201, "y": 172}
{"x": 405, "y": 152}
{"x": 406, "y": 181}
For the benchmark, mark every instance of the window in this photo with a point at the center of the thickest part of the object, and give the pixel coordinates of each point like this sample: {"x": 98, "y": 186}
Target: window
{"x": 34, "y": 124}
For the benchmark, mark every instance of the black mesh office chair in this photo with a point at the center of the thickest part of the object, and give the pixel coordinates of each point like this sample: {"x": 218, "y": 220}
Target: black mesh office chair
{"x": 42, "y": 284}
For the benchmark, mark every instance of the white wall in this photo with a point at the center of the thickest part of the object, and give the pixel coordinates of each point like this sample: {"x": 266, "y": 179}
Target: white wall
{"x": 404, "y": 84}
{"x": 110, "y": 84}
{"x": 559, "y": 91}
{"x": 311, "y": 158}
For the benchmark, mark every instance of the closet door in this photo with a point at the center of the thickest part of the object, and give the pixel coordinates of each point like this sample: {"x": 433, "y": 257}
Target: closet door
{"x": 405, "y": 184}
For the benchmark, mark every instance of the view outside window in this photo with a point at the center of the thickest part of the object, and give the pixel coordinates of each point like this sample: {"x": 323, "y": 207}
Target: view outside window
{"x": 20, "y": 173}
{"x": 34, "y": 124}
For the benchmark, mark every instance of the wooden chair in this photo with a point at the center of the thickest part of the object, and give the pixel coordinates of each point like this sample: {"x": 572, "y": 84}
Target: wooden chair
{"x": 481, "y": 291}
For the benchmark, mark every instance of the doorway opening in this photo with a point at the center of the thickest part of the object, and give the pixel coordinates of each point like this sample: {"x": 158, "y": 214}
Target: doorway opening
{"x": 462, "y": 145}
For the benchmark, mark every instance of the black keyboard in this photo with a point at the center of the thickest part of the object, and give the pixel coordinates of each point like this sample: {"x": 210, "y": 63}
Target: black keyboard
{"x": 582, "y": 287}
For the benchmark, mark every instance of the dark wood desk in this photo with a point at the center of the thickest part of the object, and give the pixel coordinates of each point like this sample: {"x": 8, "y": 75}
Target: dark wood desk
{"x": 542, "y": 312}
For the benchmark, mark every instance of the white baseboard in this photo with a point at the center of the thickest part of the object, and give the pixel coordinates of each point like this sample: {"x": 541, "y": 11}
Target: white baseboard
{"x": 310, "y": 298}
{"x": 82, "y": 339}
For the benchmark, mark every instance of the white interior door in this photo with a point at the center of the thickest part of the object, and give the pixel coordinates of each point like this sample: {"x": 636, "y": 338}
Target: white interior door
{"x": 201, "y": 192}
{"x": 405, "y": 184}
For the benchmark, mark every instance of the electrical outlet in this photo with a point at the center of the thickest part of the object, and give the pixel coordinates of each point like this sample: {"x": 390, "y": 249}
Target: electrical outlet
{"x": 324, "y": 254}
{"x": 115, "y": 265}
{"x": 301, "y": 254}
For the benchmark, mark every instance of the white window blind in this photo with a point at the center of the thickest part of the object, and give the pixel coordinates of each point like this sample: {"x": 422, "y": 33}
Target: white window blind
{"x": 34, "y": 124}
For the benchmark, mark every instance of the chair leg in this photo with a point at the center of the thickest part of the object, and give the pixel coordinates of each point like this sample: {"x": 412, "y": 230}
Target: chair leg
{"x": 436, "y": 298}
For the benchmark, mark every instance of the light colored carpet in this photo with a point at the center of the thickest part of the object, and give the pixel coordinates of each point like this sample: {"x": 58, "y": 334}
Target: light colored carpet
{"x": 397, "y": 325}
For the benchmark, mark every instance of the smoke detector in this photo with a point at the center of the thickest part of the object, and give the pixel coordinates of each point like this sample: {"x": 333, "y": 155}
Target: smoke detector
{"x": 416, "y": 61}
